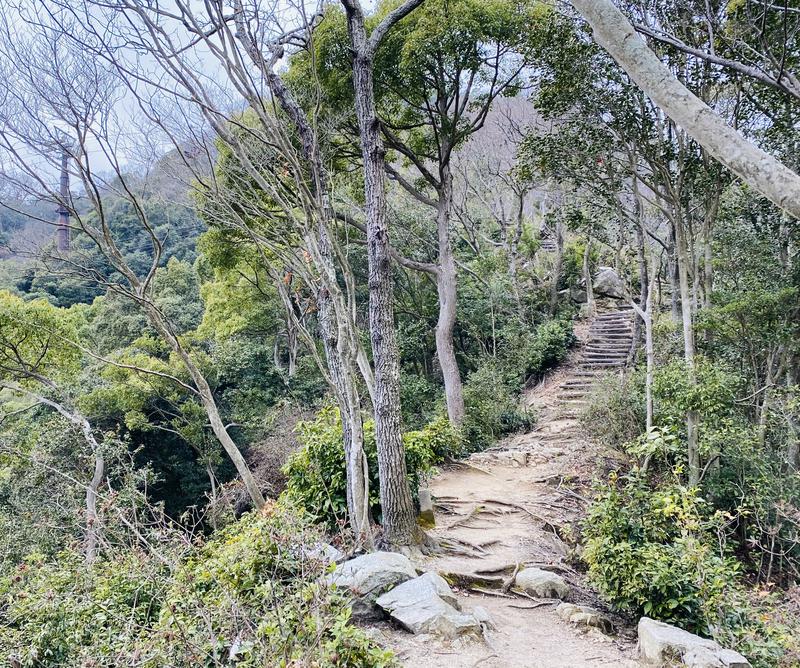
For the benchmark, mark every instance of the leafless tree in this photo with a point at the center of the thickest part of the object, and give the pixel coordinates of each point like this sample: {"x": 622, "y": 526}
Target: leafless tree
{"x": 53, "y": 88}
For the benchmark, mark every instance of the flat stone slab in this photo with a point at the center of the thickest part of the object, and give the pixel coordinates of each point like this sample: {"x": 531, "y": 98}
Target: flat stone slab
{"x": 662, "y": 645}
{"x": 541, "y": 583}
{"x": 369, "y": 576}
{"x": 426, "y": 604}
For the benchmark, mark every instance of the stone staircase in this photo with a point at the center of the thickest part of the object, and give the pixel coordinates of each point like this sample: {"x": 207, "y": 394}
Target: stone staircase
{"x": 606, "y": 349}
{"x": 548, "y": 245}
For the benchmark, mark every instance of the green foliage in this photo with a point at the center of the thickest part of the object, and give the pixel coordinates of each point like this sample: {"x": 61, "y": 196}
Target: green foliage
{"x": 616, "y": 412}
{"x": 315, "y": 474}
{"x": 65, "y": 613}
{"x": 492, "y": 406}
{"x": 653, "y": 552}
{"x": 525, "y": 353}
{"x": 36, "y": 337}
{"x": 251, "y": 596}
{"x": 258, "y": 571}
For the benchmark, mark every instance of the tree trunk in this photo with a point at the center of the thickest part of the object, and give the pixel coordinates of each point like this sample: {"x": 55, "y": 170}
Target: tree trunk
{"x": 446, "y": 285}
{"x": 399, "y": 520}
{"x": 692, "y": 417}
{"x": 513, "y": 251}
{"x": 209, "y": 404}
{"x": 292, "y": 345}
{"x": 92, "y": 521}
{"x": 755, "y": 167}
{"x": 587, "y": 276}
{"x": 644, "y": 280}
{"x": 557, "y": 265}
{"x": 340, "y": 340}
{"x": 793, "y": 436}
{"x": 646, "y": 316}
{"x": 674, "y": 276}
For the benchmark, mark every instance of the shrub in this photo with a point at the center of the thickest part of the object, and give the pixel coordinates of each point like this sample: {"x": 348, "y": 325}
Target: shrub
{"x": 528, "y": 353}
{"x": 63, "y": 613}
{"x": 251, "y": 596}
{"x": 652, "y": 551}
{"x": 316, "y": 475}
{"x": 616, "y": 414}
{"x": 492, "y": 407}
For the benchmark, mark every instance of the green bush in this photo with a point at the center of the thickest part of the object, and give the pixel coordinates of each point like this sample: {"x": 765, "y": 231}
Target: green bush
{"x": 652, "y": 551}
{"x": 492, "y": 407}
{"x": 528, "y": 353}
{"x": 616, "y": 411}
{"x": 316, "y": 476}
{"x": 251, "y": 596}
{"x": 64, "y": 613}
{"x": 254, "y": 597}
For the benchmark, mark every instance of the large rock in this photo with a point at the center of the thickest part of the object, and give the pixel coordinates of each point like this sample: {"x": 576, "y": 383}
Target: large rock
{"x": 663, "y": 645}
{"x": 427, "y": 605}
{"x": 609, "y": 284}
{"x": 369, "y": 576}
{"x": 544, "y": 584}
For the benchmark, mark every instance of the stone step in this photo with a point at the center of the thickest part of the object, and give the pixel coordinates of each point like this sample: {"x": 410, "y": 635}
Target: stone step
{"x": 613, "y": 317}
{"x": 619, "y": 346}
{"x": 577, "y": 383}
{"x": 571, "y": 395}
{"x": 604, "y": 354}
{"x": 605, "y": 326}
{"x": 593, "y": 364}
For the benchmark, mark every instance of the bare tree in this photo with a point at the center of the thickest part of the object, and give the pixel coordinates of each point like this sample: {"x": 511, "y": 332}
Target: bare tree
{"x": 52, "y": 88}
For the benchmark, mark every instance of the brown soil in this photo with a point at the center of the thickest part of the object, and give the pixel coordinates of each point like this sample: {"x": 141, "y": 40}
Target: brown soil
{"x": 520, "y": 504}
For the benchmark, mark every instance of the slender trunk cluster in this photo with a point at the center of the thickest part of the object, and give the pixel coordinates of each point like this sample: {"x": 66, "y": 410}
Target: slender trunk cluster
{"x": 399, "y": 518}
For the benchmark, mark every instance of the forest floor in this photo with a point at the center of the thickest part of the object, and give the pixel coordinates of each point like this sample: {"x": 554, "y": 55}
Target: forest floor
{"x": 520, "y": 504}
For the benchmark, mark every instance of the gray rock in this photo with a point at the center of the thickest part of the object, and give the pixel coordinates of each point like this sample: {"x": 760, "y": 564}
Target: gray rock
{"x": 545, "y": 584}
{"x": 663, "y": 645}
{"x": 483, "y": 617}
{"x": 701, "y": 657}
{"x": 582, "y": 615}
{"x": 427, "y": 605}
{"x": 324, "y": 552}
{"x": 609, "y": 284}
{"x": 369, "y": 576}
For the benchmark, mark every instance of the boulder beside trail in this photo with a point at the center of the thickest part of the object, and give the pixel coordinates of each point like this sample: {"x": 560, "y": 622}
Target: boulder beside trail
{"x": 608, "y": 283}
{"x": 662, "y": 645}
{"x": 369, "y": 576}
{"x": 426, "y": 604}
{"x": 541, "y": 583}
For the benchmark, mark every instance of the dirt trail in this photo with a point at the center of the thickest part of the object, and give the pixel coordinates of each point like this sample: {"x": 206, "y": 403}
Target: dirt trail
{"x": 519, "y": 503}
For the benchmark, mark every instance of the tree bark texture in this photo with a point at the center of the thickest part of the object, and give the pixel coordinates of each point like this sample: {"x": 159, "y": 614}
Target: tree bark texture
{"x": 446, "y": 282}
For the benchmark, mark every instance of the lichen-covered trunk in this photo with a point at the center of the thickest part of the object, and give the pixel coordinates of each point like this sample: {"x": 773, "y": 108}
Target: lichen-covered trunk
{"x": 342, "y": 365}
{"x": 399, "y": 518}
{"x": 587, "y": 276}
{"x": 446, "y": 284}
{"x": 92, "y": 520}
{"x": 337, "y": 326}
{"x": 557, "y": 266}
